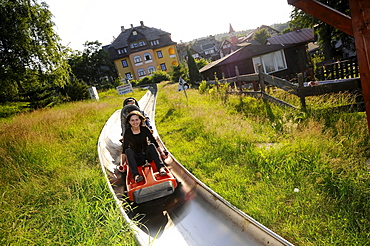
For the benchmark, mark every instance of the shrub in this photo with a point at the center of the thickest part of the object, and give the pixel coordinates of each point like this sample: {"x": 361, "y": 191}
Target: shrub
{"x": 203, "y": 87}
{"x": 159, "y": 76}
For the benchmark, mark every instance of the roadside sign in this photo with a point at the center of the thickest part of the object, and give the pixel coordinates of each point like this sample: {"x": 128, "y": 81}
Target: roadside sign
{"x": 93, "y": 93}
{"x": 123, "y": 89}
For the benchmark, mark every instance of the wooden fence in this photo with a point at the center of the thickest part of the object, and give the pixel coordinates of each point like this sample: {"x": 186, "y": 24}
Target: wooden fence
{"x": 258, "y": 82}
{"x": 338, "y": 70}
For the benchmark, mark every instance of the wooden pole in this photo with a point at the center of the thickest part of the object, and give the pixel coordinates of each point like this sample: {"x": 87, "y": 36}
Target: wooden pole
{"x": 301, "y": 85}
{"x": 360, "y": 12}
{"x": 262, "y": 82}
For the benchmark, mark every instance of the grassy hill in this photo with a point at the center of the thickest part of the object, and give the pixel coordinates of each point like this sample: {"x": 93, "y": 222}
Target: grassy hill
{"x": 51, "y": 184}
{"x": 303, "y": 175}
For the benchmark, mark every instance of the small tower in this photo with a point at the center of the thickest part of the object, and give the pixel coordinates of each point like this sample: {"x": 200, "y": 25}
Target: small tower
{"x": 233, "y": 38}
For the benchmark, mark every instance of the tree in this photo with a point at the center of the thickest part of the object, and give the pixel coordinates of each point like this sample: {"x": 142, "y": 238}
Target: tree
{"x": 93, "y": 66}
{"x": 201, "y": 62}
{"x": 261, "y": 36}
{"x": 329, "y": 37}
{"x": 32, "y": 60}
{"x": 194, "y": 74}
{"x": 181, "y": 70}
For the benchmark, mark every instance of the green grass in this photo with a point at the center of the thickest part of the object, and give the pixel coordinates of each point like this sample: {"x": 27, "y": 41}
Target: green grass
{"x": 51, "y": 184}
{"x": 252, "y": 153}
{"x": 255, "y": 154}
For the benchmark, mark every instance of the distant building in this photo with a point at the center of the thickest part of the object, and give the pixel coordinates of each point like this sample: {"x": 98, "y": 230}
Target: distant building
{"x": 250, "y": 36}
{"x": 207, "y": 48}
{"x": 229, "y": 46}
{"x": 139, "y": 51}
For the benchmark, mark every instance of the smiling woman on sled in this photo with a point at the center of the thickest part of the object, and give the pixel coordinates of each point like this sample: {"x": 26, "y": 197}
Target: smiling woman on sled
{"x": 137, "y": 149}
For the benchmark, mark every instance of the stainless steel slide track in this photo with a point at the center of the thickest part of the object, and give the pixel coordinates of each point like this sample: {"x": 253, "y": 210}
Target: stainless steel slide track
{"x": 193, "y": 215}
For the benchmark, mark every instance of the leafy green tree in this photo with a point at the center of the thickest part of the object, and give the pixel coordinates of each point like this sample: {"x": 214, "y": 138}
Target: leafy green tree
{"x": 328, "y": 35}
{"x": 32, "y": 60}
{"x": 261, "y": 36}
{"x": 93, "y": 66}
{"x": 201, "y": 62}
{"x": 194, "y": 74}
{"x": 178, "y": 71}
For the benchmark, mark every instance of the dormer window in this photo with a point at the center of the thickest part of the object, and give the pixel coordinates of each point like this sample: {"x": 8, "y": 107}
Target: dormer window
{"x": 154, "y": 42}
{"x": 134, "y": 33}
{"x": 137, "y": 44}
{"x": 122, "y": 51}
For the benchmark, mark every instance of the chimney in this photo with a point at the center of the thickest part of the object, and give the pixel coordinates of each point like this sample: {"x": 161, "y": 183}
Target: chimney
{"x": 142, "y": 23}
{"x": 122, "y": 28}
{"x": 132, "y": 26}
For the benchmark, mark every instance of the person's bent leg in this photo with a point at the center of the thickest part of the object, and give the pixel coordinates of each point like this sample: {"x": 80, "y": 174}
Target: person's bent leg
{"x": 131, "y": 160}
{"x": 152, "y": 154}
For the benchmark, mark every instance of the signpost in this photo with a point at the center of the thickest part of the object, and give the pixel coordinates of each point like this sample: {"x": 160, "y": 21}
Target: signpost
{"x": 93, "y": 93}
{"x": 125, "y": 88}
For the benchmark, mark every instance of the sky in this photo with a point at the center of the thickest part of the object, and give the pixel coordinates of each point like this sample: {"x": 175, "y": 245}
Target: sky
{"x": 78, "y": 21}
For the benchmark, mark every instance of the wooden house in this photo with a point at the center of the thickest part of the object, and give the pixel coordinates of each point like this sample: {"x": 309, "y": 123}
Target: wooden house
{"x": 283, "y": 57}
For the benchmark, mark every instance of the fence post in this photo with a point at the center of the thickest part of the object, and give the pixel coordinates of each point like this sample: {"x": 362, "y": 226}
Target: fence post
{"x": 301, "y": 85}
{"x": 262, "y": 82}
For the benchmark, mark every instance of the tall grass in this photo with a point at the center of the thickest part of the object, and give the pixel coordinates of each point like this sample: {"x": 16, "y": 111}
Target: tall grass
{"x": 51, "y": 185}
{"x": 255, "y": 154}
{"x": 303, "y": 175}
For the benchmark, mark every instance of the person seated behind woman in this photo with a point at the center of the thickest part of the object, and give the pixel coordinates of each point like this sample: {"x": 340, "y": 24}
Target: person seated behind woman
{"x": 127, "y": 109}
{"x": 136, "y": 148}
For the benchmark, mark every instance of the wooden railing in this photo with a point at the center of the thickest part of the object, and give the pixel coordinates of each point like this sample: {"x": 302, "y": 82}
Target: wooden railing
{"x": 260, "y": 80}
{"x": 338, "y": 70}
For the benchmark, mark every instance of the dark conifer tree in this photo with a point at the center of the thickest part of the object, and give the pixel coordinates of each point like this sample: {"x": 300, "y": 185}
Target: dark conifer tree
{"x": 194, "y": 74}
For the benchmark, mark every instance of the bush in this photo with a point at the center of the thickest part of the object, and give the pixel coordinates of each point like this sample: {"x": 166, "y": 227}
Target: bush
{"x": 145, "y": 80}
{"x": 203, "y": 87}
{"x": 76, "y": 90}
{"x": 159, "y": 76}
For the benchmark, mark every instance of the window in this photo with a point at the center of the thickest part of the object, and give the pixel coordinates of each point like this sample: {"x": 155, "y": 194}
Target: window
{"x": 154, "y": 42}
{"x": 151, "y": 69}
{"x": 159, "y": 54}
{"x": 207, "y": 52}
{"x": 122, "y": 51}
{"x": 141, "y": 72}
{"x": 270, "y": 62}
{"x": 128, "y": 76}
{"x": 171, "y": 51}
{"x": 142, "y": 43}
{"x": 147, "y": 57}
{"x": 163, "y": 67}
{"x": 137, "y": 59}
{"x": 134, "y": 45}
{"x": 124, "y": 63}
